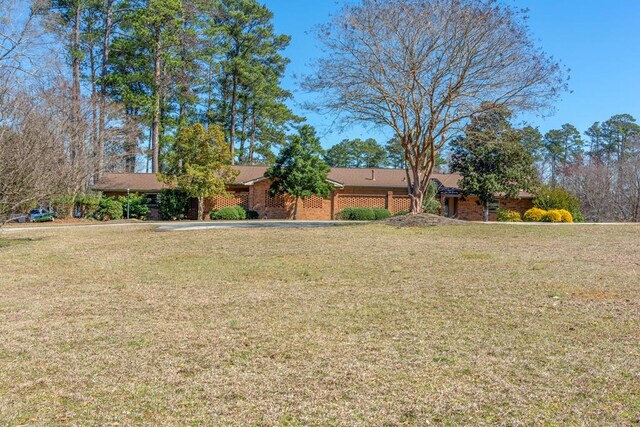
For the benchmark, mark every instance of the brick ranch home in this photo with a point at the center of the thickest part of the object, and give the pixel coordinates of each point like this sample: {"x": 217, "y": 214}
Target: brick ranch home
{"x": 385, "y": 188}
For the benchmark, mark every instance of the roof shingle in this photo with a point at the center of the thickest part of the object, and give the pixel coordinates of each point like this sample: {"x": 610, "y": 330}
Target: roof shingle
{"x": 370, "y": 177}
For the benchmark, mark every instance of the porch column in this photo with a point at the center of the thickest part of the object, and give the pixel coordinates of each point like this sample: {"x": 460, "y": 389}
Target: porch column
{"x": 251, "y": 198}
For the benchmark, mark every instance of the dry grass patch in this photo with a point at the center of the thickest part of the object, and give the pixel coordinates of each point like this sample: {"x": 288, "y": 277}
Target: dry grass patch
{"x": 363, "y": 325}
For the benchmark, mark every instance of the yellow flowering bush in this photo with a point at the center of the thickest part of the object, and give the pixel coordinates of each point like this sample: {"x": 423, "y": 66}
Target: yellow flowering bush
{"x": 553, "y": 215}
{"x": 534, "y": 215}
{"x": 509, "y": 216}
{"x": 566, "y": 215}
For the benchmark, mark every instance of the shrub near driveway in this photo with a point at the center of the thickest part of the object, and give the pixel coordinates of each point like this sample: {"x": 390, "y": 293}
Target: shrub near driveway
{"x": 552, "y": 215}
{"x": 229, "y": 213}
{"x": 173, "y": 204}
{"x": 363, "y": 214}
{"x": 109, "y": 209}
{"x": 566, "y": 216}
{"x": 508, "y": 216}
{"x": 534, "y": 215}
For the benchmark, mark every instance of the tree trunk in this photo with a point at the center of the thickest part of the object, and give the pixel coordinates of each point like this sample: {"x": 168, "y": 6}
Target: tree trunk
{"x": 200, "y": 208}
{"x": 418, "y": 172}
{"x": 94, "y": 112}
{"x": 106, "y": 37}
{"x": 131, "y": 143}
{"x": 417, "y": 199}
{"x": 210, "y": 89}
{"x": 417, "y": 189}
{"x": 485, "y": 212}
{"x": 252, "y": 141}
{"x": 149, "y": 150}
{"x": 75, "y": 137}
{"x": 155, "y": 125}
{"x": 241, "y": 156}
{"x": 234, "y": 111}
{"x": 295, "y": 209}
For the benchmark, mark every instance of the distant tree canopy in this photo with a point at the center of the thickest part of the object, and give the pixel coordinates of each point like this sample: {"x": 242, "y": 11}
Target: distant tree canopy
{"x": 563, "y": 147}
{"x": 357, "y": 153}
{"x": 368, "y": 153}
{"x": 605, "y": 172}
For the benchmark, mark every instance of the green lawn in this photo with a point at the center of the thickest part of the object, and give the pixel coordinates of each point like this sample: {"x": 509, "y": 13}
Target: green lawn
{"x": 359, "y": 325}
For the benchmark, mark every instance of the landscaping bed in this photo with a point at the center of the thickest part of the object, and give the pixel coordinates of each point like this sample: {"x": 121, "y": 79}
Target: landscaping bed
{"x": 422, "y": 220}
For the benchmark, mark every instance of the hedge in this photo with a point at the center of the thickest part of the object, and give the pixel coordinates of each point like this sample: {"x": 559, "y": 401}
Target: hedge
{"x": 229, "y": 213}
{"x": 552, "y": 215}
{"x": 363, "y": 214}
{"x": 548, "y": 198}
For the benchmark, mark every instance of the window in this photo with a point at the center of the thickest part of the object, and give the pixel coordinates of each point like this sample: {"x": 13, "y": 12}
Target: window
{"x": 152, "y": 199}
{"x": 494, "y": 206}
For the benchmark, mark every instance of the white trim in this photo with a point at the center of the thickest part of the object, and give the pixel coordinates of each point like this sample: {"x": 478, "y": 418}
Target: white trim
{"x": 264, "y": 178}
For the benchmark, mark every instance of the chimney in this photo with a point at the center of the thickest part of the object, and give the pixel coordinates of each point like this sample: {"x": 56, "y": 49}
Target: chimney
{"x": 373, "y": 174}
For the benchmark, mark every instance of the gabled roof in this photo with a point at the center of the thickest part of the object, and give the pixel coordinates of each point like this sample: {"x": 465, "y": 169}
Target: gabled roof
{"x": 340, "y": 177}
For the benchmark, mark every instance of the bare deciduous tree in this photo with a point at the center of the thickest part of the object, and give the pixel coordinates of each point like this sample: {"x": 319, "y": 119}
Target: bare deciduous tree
{"x": 38, "y": 133}
{"x": 29, "y": 162}
{"x": 627, "y": 191}
{"x": 592, "y": 184}
{"x": 425, "y": 67}
{"x": 20, "y": 36}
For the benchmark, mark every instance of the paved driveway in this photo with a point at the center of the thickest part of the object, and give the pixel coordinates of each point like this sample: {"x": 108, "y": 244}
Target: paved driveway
{"x": 189, "y": 225}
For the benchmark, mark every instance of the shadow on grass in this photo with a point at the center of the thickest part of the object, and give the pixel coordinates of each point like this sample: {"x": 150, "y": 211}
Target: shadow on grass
{"x": 4, "y": 242}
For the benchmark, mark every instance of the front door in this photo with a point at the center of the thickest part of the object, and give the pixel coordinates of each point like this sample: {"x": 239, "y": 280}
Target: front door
{"x": 451, "y": 207}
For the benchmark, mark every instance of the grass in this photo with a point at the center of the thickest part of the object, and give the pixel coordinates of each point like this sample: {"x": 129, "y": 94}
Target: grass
{"x": 362, "y": 325}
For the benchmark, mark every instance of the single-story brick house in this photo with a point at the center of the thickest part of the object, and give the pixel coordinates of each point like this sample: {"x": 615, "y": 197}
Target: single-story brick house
{"x": 385, "y": 188}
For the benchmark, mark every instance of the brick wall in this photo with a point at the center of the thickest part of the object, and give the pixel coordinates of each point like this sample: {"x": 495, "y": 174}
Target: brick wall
{"x": 520, "y": 205}
{"x": 391, "y": 199}
{"x": 281, "y": 207}
{"x": 470, "y": 208}
{"x": 257, "y": 198}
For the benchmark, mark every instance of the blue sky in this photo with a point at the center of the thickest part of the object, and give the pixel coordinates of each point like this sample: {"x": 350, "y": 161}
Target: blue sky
{"x": 599, "y": 41}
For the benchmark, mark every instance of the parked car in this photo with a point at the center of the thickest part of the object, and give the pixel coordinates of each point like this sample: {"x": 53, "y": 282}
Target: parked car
{"x": 41, "y": 215}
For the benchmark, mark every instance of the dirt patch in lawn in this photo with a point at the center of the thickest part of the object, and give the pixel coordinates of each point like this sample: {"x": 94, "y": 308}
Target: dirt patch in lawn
{"x": 422, "y": 220}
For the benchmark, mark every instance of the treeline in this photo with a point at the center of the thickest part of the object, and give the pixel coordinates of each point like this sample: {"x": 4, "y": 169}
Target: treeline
{"x": 170, "y": 63}
{"x": 369, "y": 153}
{"x": 600, "y": 165}
{"x": 167, "y": 64}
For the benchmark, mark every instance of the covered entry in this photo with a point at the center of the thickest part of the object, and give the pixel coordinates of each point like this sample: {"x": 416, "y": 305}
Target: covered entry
{"x": 450, "y": 207}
